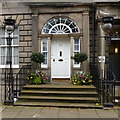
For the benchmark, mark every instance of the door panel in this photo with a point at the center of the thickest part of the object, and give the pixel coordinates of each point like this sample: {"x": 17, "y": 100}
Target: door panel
{"x": 60, "y": 58}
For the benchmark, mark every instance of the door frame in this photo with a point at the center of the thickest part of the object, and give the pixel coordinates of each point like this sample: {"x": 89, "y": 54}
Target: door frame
{"x": 59, "y": 37}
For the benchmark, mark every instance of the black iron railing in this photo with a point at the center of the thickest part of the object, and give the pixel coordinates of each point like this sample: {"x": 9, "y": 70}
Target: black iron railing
{"x": 8, "y": 94}
{"x": 105, "y": 86}
{"x": 14, "y": 85}
{"x": 20, "y": 80}
{"x": 108, "y": 86}
{"x": 96, "y": 79}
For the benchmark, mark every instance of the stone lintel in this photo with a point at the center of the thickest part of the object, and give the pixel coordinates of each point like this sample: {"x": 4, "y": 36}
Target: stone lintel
{"x": 61, "y": 35}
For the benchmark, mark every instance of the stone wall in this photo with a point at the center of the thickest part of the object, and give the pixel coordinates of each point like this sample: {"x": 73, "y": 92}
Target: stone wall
{"x": 24, "y": 23}
{"x": 25, "y": 41}
{"x": 22, "y": 14}
{"x": 79, "y": 14}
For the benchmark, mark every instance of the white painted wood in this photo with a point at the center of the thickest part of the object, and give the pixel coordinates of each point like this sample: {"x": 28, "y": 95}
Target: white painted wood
{"x": 60, "y": 26}
{"x": 60, "y": 69}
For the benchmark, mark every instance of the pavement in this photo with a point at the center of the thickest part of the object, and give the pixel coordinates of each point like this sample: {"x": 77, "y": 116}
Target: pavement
{"x": 52, "y": 112}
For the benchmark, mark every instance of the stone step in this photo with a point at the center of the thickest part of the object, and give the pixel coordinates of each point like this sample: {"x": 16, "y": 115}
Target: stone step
{"x": 54, "y": 98}
{"x": 58, "y": 104}
{"x": 60, "y": 93}
{"x": 60, "y": 87}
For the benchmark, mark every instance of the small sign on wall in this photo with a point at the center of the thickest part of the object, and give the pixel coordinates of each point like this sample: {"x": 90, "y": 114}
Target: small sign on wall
{"x": 101, "y": 58}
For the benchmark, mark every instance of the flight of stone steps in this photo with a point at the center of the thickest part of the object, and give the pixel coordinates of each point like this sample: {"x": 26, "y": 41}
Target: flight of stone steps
{"x": 58, "y": 95}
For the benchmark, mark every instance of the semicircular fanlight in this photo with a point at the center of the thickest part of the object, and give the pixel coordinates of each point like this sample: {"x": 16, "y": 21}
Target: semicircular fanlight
{"x": 60, "y": 26}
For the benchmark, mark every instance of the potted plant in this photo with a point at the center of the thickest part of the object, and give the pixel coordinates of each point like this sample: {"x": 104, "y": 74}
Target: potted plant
{"x": 80, "y": 58}
{"x": 82, "y": 78}
{"x": 37, "y": 77}
{"x": 37, "y": 58}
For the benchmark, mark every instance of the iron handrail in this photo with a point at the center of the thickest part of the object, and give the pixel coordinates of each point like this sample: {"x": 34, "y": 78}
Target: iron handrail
{"x": 20, "y": 81}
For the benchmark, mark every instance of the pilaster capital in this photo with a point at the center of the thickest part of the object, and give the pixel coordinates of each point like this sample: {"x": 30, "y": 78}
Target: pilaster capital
{"x": 86, "y": 12}
{"x": 48, "y": 38}
{"x": 35, "y": 15}
{"x": 81, "y": 38}
{"x": 72, "y": 38}
{"x": 39, "y": 38}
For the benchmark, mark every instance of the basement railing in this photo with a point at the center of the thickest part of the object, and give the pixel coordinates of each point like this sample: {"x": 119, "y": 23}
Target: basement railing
{"x": 108, "y": 87}
{"x": 105, "y": 86}
{"x": 14, "y": 86}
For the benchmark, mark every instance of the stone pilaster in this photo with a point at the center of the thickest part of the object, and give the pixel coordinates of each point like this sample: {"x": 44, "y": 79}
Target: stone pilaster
{"x": 101, "y": 50}
{"x": 35, "y": 33}
{"x": 71, "y": 52}
{"x": 35, "y": 45}
{"x": 49, "y": 52}
{"x": 85, "y": 45}
{"x": 39, "y": 44}
{"x": 49, "y": 56}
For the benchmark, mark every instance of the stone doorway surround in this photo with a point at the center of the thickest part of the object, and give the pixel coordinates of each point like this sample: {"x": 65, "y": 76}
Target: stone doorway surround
{"x": 84, "y": 34}
{"x": 49, "y": 38}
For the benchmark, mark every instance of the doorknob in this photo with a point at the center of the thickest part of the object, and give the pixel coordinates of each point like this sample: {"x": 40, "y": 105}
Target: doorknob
{"x": 53, "y": 60}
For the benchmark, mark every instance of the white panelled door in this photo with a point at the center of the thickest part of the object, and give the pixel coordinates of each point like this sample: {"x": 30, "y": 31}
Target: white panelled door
{"x": 60, "y": 58}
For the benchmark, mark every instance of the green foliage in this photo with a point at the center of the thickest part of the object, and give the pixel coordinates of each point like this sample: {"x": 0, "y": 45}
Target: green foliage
{"x": 82, "y": 78}
{"x": 80, "y": 57}
{"x": 37, "y": 57}
{"x": 37, "y": 77}
{"x": 36, "y": 80}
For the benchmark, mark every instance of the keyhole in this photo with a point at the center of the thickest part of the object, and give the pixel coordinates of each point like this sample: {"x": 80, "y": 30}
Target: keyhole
{"x": 60, "y": 53}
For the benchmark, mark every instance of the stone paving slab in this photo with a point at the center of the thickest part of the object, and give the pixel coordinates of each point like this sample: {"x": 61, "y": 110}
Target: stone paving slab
{"x": 13, "y": 109}
{"x": 106, "y": 113}
{"x": 88, "y": 113}
{"x": 49, "y": 113}
{"x": 68, "y": 113}
{"x": 28, "y": 112}
{"x": 52, "y": 112}
{"x": 10, "y": 114}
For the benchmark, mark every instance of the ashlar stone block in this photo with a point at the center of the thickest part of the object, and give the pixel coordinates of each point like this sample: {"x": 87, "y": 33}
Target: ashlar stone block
{"x": 27, "y": 60}
{"x": 28, "y": 38}
{"x": 23, "y": 54}
{"x": 23, "y": 43}
{"x": 27, "y": 48}
{"x": 27, "y": 17}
